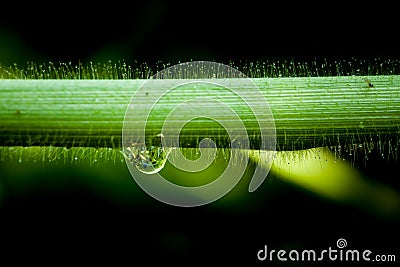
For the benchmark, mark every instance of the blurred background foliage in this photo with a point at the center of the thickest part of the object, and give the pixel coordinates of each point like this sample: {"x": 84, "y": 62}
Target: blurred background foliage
{"x": 58, "y": 212}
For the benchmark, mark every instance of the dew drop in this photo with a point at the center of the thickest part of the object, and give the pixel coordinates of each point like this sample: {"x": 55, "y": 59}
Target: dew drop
{"x": 148, "y": 160}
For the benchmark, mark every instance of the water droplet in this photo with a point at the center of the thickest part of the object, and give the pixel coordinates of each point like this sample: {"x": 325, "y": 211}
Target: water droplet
{"x": 147, "y": 159}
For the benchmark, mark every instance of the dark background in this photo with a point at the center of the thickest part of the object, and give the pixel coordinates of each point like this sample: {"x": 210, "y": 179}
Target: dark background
{"x": 151, "y": 31}
{"x": 72, "y": 225}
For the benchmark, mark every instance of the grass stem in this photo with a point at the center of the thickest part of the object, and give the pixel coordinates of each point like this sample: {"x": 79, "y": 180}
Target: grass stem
{"x": 308, "y": 111}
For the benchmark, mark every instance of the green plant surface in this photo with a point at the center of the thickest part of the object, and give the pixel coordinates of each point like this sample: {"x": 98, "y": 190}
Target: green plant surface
{"x": 51, "y": 116}
{"x": 307, "y": 111}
